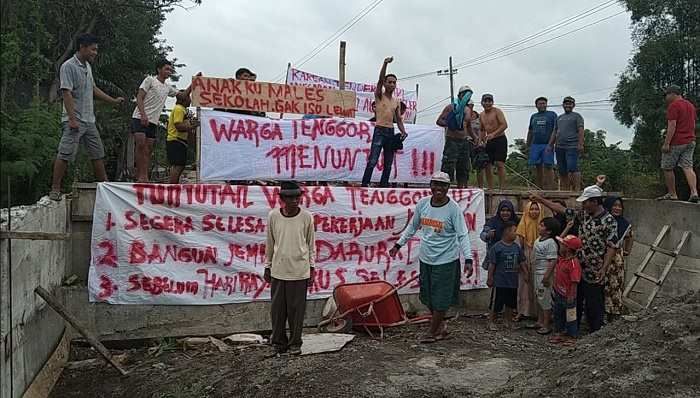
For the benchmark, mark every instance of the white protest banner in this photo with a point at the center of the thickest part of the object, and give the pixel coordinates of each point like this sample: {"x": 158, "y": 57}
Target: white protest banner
{"x": 364, "y": 92}
{"x": 205, "y": 243}
{"x": 243, "y": 147}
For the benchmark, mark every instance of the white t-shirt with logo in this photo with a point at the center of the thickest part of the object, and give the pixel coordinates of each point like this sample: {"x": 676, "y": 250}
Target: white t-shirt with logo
{"x": 156, "y": 94}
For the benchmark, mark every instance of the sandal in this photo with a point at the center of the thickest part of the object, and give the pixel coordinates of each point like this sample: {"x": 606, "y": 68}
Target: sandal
{"x": 556, "y": 339}
{"x": 668, "y": 196}
{"x": 544, "y": 331}
{"x": 568, "y": 343}
{"x": 428, "y": 339}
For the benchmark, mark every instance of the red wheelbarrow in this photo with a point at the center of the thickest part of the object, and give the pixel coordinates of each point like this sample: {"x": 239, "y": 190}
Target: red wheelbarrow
{"x": 368, "y": 305}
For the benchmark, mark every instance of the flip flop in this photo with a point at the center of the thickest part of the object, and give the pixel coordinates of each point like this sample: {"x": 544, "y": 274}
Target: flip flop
{"x": 668, "y": 196}
{"x": 556, "y": 339}
{"x": 544, "y": 331}
{"x": 568, "y": 343}
{"x": 428, "y": 339}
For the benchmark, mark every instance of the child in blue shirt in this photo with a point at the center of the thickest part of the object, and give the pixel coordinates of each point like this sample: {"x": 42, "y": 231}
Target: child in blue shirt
{"x": 506, "y": 263}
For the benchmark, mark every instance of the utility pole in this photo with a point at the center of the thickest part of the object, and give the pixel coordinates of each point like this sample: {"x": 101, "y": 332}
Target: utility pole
{"x": 341, "y": 66}
{"x": 449, "y": 72}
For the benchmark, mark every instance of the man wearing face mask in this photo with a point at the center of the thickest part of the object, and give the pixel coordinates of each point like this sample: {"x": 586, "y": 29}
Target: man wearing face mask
{"x": 444, "y": 237}
{"x": 456, "y": 119}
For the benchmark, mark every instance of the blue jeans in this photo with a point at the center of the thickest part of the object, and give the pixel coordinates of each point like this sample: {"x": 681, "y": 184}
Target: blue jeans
{"x": 539, "y": 155}
{"x": 567, "y": 160}
{"x": 382, "y": 139}
{"x": 559, "y": 307}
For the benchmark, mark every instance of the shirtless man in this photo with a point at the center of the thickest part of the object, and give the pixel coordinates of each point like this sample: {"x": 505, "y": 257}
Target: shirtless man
{"x": 387, "y": 110}
{"x": 493, "y": 133}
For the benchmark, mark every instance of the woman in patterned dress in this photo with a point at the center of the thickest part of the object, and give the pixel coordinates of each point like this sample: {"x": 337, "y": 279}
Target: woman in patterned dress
{"x": 615, "y": 277}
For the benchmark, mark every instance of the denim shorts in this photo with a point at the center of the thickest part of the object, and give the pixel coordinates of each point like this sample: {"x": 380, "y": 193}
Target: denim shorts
{"x": 567, "y": 160}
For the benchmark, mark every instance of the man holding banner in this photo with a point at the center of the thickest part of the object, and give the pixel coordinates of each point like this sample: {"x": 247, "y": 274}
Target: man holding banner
{"x": 444, "y": 237}
{"x": 387, "y": 110}
{"x": 290, "y": 252}
{"x": 456, "y": 119}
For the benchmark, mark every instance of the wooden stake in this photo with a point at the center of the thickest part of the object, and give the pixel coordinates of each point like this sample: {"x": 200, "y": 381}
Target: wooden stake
{"x": 341, "y": 66}
{"x": 91, "y": 339}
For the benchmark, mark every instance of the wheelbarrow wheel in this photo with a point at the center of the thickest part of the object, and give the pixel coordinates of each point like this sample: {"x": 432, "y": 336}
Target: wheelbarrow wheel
{"x": 341, "y": 325}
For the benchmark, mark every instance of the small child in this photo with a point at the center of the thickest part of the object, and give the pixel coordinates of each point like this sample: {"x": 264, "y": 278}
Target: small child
{"x": 181, "y": 127}
{"x": 567, "y": 275}
{"x": 507, "y": 260}
{"x": 544, "y": 253}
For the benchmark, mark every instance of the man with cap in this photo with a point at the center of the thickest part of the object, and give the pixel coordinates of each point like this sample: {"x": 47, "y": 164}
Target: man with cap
{"x": 539, "y": 132}
{"x": 290, "y": 252}
{"x": 679, "y": 144}
{"x": 567, "y": 142}
{"x": 598, "y": 233}
{"x": 456, "y": 119}
{"x": 444, "y": 237}
{"x": 493, "y": 134}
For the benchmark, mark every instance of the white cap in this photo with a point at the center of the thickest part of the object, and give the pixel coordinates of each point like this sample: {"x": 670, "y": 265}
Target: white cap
{"x": 464, "y": 88}
{"x": 440, "y": 176}
{"x": 591, "y": 192}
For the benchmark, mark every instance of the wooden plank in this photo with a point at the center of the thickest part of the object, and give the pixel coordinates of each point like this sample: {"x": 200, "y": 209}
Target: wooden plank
{"x": 647, "y": 277}
{"x": 49, "y": 374}
{"x": 664, "y": 251}
{"x": 216, "y": 92}
{"x": 631, "y": 304}
{"x": 32, "y": 235}
{"x": 61, "y": 310}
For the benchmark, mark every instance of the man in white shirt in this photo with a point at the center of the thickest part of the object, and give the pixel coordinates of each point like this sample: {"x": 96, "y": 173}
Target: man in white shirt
{"x": 144, "y": 121}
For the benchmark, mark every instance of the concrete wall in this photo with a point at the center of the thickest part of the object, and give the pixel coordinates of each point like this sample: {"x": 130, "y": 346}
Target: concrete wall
{"x": 648, "y": 217}
{"x": 36, "y": 329}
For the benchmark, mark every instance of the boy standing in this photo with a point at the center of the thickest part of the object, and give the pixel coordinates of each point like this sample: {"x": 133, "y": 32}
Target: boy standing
{"x": 180, "y": 125}
{"x": 290, "y": 252}
{"x": 567, "y": 275}
{"x": 507, "y": 260}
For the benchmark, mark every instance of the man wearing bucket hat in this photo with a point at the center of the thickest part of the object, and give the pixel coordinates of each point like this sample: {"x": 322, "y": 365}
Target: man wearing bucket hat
{"x": 456, "y": 119}
{"x": 444, "y": 238}
{"x": 289, "y": 267}
{"x": 598, "y": 233}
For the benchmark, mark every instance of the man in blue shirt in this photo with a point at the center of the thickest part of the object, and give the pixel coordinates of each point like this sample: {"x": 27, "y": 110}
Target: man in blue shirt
{"x": 444, "y": 236}
{"x": 542, "y": 124}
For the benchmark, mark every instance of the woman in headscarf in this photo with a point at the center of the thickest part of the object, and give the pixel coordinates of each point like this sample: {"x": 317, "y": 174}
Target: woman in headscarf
{"x": 528, "y": 232}
{"x": 615, "y": 277}
{"x": 493, "y": 230}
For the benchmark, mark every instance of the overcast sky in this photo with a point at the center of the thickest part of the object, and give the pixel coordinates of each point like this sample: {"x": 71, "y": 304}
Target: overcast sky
{"x": 264, "y": 35}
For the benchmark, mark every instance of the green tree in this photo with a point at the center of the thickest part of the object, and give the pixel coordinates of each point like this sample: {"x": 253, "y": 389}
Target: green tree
{"x": 667, "y": 37}
{"x": 37, "y": 37}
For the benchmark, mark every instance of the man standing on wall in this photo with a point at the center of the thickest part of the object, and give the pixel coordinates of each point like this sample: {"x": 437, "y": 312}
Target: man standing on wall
{"x": 542, "y": 125}
{"x": 383, "y": 139}
{"x": 456, "y": 119}
{"x": 568, "y": 136}
{"x": 493, "y": 133}
{"x": 150, "y": 100}
{"x": 289, "y": 268}
{"x": 78, "y": 118}
{"x": 679, "y": 144}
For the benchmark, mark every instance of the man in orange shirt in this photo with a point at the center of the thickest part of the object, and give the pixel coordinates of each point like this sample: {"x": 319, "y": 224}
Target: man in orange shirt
{"x": 679, "y": 144}
{"x": 387, "y": 110}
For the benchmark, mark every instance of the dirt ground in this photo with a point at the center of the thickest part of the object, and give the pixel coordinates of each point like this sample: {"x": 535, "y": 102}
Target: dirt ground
{"x": 655, "y": 355}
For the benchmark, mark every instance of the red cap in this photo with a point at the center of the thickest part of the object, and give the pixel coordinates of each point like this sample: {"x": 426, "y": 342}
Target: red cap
{"x": 571, "y": 241}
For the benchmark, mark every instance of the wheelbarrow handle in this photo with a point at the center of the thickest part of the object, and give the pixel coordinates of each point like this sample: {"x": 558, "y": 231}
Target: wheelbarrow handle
{"x": 408, "y": 282}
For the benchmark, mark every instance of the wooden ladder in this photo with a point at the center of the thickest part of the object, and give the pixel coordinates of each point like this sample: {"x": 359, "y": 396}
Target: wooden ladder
{"x": 673, "y": 254}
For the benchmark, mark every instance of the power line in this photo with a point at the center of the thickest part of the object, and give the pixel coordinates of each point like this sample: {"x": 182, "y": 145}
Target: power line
{"x": 533, "y": 36}
{"x": 328, "y": 41}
